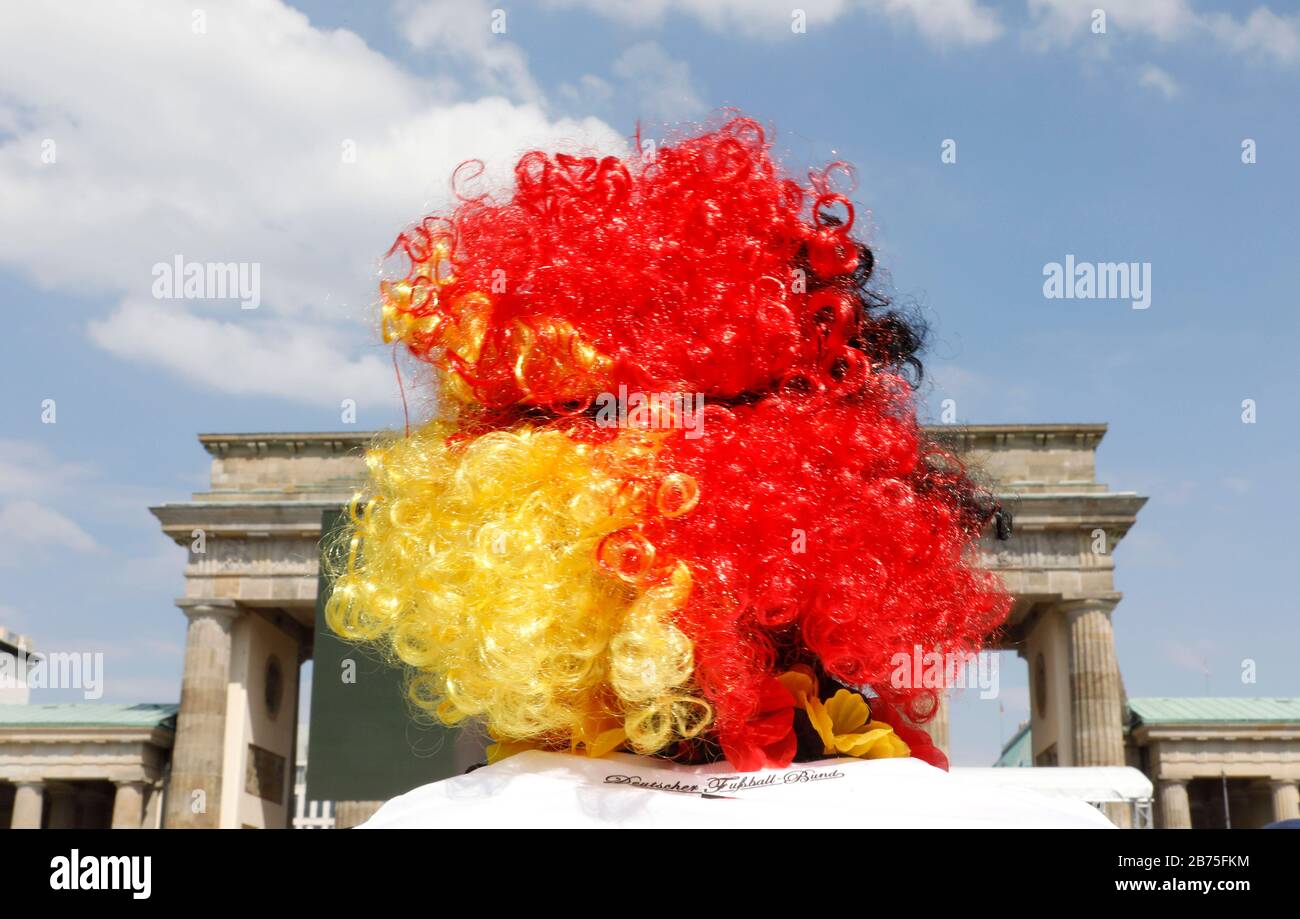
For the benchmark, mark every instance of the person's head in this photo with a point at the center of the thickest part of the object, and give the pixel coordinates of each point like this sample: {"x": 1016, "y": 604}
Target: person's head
{"x": 680, "y": 490}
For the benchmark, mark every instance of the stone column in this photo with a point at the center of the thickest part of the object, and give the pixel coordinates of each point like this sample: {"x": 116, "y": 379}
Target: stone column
{"x": 29, "y": 803}
{"x": 1175, "y": 809}
{"x": 1096, "y": 705}
{"x": 1096, "y": 693}
{"x": 194, "y": 791}
{"x": 1286, "y": 800}
{"x": 128, "y": 805}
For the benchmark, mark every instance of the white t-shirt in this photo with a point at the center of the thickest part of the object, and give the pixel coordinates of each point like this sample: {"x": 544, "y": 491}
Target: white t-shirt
{"x": 544, "y": 790}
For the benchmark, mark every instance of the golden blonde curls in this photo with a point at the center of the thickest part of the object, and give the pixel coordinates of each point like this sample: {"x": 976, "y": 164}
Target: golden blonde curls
{"x": 474, "y": 561}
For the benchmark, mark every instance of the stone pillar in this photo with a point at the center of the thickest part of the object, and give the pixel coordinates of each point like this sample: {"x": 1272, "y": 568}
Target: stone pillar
{"x": 194, "y": 791}
{"x": 128, "y": 805}
{"x": 1096, "y": 705}
{"x": 1096, "y": 693}
{"x": 29, "y": 803}
{"x": 1175, "y": 809}
{"x": 1286, "y": 800}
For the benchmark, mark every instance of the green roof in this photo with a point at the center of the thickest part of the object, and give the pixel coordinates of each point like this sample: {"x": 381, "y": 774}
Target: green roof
{"x": 1214, "y": 710}
{"x": 1019, "y": 750}
{"x": 90, "y": 714}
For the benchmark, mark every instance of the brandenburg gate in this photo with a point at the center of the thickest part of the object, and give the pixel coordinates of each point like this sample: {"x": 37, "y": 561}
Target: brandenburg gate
{"x": 253, "y": 564}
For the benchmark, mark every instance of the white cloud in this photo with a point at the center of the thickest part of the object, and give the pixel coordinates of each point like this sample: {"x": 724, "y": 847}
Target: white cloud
{"x": 463, "y": 31}
{"x": 1065, "y": 22}
{"x": 1159, "y": 80}
{"x": 26, "y": 526}
{"x": 275, "y": 357}
{"x": 943, "y": 22}
{"x": 659, "y": 84}
{"x": 1262, "y": 31}
{"x": 227, "y": 146}
{"x": 751, "y": 18}
{"x": 946, "y": 22}
{"x": 589, "y": 91}
{"x": 28, "y": 469}
{"x": 646, "y": 82}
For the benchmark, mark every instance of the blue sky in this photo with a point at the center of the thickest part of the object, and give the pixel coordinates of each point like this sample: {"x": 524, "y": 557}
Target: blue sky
{"x": 223, "y": 144}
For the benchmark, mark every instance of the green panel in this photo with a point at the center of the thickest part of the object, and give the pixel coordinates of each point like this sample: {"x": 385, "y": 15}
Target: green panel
{"x": 90, "y": 714}
{"x": 363, "y": 743}
{"x": 1216, "y": 710}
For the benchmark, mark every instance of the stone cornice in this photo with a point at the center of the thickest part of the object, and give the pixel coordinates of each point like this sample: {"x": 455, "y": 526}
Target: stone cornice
{"x": 1117, "y": 509}
{"x": 1001, "y": 436}
{"x": 1174, "y": 733}
{"x": 965, "y": 436}
{"x": 90, "y": 734}
{"x": 296, "y": 518}
{"x": 253, "y": 519}
{"x": 286, "y": 443}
